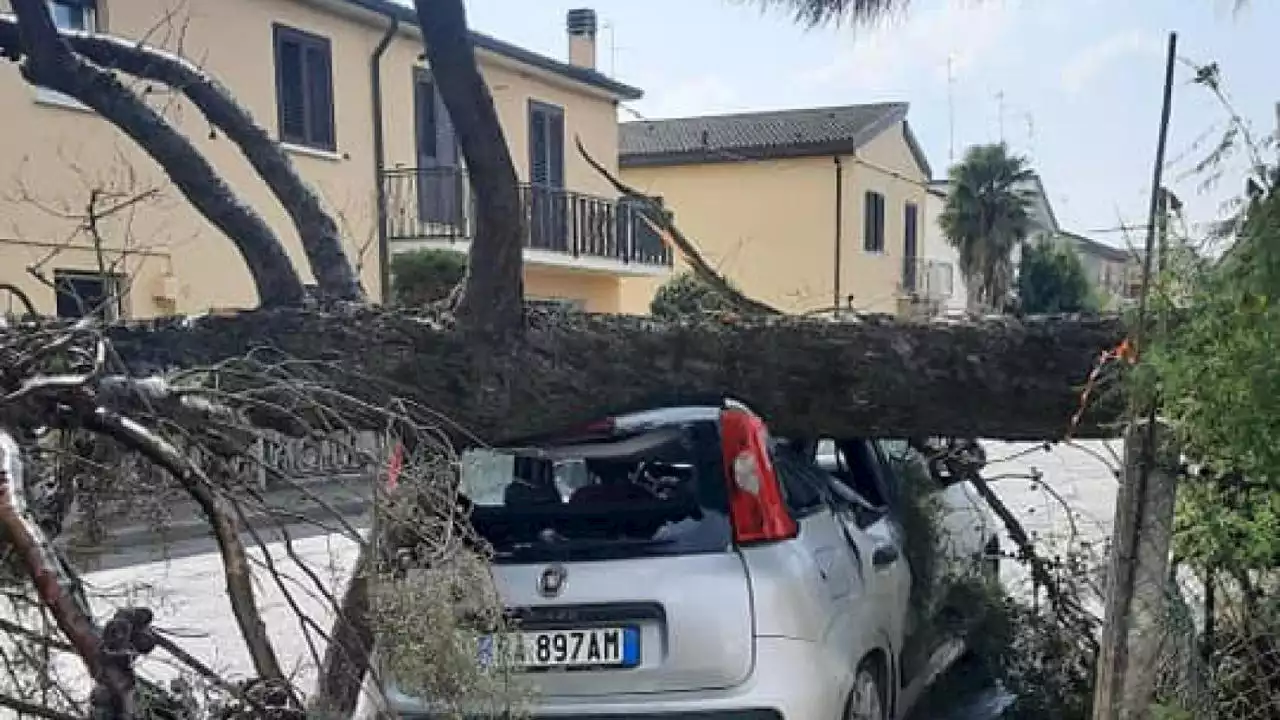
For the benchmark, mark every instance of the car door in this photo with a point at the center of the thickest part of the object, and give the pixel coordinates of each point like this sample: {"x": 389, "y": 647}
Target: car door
{"x": 864, "y": 508}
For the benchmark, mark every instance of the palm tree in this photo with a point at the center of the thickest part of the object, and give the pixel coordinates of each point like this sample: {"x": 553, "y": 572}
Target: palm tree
{"x": 821, "y": 12}
{"x": 986, "y": 218}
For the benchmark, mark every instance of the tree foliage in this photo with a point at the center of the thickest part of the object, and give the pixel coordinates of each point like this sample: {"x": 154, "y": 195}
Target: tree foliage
{"x": 421, "y": 277}
{"x": 986, "y": 217}
{"x": 687, "y": 295}
{"x": 1219, "y": 375}
{"x": 1051, "y": 279}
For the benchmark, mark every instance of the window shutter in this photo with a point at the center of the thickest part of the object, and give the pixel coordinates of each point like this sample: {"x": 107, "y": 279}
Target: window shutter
{"x": 555, "y": 150}
{"x": 869, "y": 221}
{"x": 539, "y": 173}
{"x": 320, "y": 95}
{"x": 424, "y": 102}
{"x": 290, "y": 95}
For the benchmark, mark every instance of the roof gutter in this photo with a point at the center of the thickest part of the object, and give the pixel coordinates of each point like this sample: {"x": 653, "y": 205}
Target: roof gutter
{"x": 379, "y": 161}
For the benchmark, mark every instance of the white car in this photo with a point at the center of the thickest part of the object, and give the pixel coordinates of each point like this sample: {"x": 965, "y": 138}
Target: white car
{"x": 683, "y": 563}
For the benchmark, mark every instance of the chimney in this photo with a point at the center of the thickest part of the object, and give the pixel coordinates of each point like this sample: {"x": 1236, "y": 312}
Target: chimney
{"x": 581, "y": 24}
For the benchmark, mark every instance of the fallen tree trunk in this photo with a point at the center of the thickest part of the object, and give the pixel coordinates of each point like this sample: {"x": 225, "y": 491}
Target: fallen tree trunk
{"x": 1011, "y": 379}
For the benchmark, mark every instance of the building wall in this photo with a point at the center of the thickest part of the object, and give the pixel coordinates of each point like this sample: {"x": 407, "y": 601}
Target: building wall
{"x": 175, "y": 261}
{"x": 937, "y": 248}
{"x": 769, "y": 225}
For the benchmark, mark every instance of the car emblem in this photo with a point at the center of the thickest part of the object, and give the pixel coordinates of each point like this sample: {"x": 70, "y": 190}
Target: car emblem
{"x": 551, "y": 581}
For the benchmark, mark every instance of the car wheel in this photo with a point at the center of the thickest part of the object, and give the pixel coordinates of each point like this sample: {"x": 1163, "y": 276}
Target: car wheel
{"x": 867, "y": 700}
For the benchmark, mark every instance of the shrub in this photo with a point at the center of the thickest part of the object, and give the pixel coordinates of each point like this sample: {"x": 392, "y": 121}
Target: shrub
{"x": 421, "y": 277}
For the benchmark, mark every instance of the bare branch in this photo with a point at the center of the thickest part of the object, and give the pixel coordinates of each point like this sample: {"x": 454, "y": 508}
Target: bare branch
{"x": 654, "y": 214}
{"x": 221, "y": 518}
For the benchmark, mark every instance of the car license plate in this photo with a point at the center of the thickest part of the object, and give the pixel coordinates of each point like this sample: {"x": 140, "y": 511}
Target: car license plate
{"x": 593, "y": 647}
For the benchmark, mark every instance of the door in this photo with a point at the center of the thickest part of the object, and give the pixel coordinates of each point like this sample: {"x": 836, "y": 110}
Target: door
{"x": 911, "y": 249}
{"x": 439, "y": 174}
{"x": 548, "y": 208}
{"x": 871, "y": 528}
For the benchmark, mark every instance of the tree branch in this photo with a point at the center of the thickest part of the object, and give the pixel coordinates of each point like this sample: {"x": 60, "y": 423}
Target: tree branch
{"x": 222, "y": 519}
{"x": 653, "y": 213}
{"x": 56, "y": 593}
{"x": 321, "y": 239}
{"x": 49, "y": 62}
{"x": 492, "y": 297}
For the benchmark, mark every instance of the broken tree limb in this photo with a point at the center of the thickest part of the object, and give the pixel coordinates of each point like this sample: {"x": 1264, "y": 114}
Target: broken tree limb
{"x": 653, "y": 213}
{"x": 48, "y": 61}
{"x": 999, "y": 378}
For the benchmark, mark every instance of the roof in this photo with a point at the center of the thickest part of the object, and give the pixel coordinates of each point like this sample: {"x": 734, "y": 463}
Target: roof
{"x": 587, "y": 76}
{"x": 1100, "y": 249}
{"x": 760, "y": 135}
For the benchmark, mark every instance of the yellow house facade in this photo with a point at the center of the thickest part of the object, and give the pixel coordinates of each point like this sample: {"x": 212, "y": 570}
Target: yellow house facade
{"x": 807, "y": 209}
{"x": 344, "y": 85}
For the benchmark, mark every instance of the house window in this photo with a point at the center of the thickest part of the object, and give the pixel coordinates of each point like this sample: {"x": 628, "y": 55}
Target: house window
{"x": 546, "y": 144}
{"x": 873, "y": 222}
{"x": 304, "y": 89}
{"x": 76, "y": 15}
{"x": 80, "y": 293}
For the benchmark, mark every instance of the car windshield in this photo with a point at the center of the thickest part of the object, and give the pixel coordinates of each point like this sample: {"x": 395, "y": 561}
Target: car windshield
{"x": 654, "y": 491}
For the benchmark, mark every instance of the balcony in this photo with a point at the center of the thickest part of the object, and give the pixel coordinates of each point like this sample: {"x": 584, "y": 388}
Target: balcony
{"x": 435, "y": 208}
{"x": 930, "y": 280}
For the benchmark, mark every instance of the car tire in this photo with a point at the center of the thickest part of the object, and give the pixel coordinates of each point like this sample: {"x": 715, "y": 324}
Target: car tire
{"x": 867, "y": 701}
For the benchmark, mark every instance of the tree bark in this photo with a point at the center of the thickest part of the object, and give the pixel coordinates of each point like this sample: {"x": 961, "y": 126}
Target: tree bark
{"x": 999, "y": 378}
{"x": 493, "y": 291}
{"x": 49, "y": 62}
{"x": 317, "y": 230}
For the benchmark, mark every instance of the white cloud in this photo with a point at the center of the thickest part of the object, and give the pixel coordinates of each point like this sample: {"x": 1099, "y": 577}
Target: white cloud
{"x": 903, "y": 48}
{"x": 1086, "y": 65}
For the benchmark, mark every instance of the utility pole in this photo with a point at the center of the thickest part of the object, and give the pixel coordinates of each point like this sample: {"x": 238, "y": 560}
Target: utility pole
{"x": 1138, "y": 572}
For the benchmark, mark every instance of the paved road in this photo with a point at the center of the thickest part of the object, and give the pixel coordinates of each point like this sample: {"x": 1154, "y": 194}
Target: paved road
{"x": 187, "y": 595}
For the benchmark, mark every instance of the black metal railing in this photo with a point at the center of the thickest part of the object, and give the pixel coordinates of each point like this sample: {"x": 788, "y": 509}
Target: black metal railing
{"x": 438, "y": 204}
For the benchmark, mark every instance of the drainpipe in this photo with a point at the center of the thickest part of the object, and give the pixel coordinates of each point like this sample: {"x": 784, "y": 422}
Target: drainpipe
{"x": 835, "y": 304}
{"x": 379, "y": 162}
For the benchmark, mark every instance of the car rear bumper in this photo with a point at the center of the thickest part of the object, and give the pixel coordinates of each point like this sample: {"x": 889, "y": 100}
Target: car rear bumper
{"x": 791, "y": 680}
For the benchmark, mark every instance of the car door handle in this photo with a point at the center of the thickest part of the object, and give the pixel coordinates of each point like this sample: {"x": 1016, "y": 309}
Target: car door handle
{"x": 884, "y": 556}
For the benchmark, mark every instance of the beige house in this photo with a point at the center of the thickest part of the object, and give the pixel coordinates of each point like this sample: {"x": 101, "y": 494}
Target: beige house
{"x": 84, "y": 214}
{"x": 805, "y": 209}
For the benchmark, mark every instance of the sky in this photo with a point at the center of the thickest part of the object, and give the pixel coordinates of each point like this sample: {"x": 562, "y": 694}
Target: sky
{"x": 1075, "y": 85}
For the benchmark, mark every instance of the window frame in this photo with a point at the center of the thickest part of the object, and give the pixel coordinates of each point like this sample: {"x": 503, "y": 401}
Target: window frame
{"x": 91, "y": 18}
{"x": 304, "y": 40}
{"x": 873, "y": 221}
{"x": 112, "y": 286}
{"x": 549, "y": 111}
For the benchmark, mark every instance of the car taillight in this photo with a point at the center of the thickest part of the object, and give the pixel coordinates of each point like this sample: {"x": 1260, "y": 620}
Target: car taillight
{"x": 756, "y": 507}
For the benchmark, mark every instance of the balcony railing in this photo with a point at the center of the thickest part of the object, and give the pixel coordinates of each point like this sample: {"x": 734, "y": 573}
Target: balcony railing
{"x": 928, "y": 279}
{"x": 438, "y": 204}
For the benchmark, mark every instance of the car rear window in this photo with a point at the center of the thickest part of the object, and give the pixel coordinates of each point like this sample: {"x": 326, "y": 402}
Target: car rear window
{"x": 658, "y": 491}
